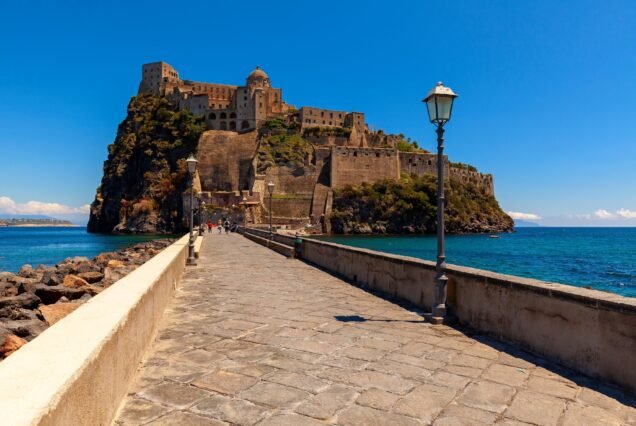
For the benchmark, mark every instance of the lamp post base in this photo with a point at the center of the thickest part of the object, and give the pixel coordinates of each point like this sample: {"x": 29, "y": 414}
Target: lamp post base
{"x": 191, "y": 261}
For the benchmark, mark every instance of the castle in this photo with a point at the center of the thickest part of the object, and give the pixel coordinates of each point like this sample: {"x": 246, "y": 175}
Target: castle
{"x": 345, "y": 151}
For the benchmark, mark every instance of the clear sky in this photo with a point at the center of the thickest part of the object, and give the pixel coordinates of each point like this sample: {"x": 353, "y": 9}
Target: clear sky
{"x": 547, "y": 88}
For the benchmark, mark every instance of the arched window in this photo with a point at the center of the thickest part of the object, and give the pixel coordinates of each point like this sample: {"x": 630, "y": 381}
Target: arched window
{"x": 245, "y": 125}
{"x": 232, "y": 115}
{"x": 223, "y": 115}
{"x": 212, "y": 116}
{"x": 223, "y": 125}
{"x": 232, "y": 125}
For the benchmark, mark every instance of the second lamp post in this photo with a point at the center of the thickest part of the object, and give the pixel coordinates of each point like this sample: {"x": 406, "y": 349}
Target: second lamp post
{"x": 439, "y": 103}
{"x": 270, "y": 189}
{"x": 192, "y": 168}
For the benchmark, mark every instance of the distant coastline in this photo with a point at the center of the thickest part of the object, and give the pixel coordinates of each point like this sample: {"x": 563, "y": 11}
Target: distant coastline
{"x": 29, "y": 222}
{"x": 35, "y": 225}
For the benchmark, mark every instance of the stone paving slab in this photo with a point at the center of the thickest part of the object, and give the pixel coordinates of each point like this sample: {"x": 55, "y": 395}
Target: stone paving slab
{"x": 254, "y": 338}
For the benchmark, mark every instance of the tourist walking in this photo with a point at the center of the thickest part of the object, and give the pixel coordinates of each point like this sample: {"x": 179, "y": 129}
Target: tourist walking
{"x": 209, "y": 226}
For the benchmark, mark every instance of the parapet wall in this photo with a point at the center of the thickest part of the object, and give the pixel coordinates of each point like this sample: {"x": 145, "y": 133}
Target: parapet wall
{"x": 421, "y": 163}
{"x": 78, "y": 370}
{"x": 354, "y": 166}
{"x": 591, "y": 331}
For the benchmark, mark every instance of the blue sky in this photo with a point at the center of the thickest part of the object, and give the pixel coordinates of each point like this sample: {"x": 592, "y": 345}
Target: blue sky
{"x": 547, "y": 88}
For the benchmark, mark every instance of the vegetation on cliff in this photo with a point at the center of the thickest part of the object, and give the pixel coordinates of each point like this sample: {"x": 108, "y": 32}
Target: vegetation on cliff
{"x": 145, "y": 173}
{"x": 289, "y": 150}
{"x": 410, "y": 206}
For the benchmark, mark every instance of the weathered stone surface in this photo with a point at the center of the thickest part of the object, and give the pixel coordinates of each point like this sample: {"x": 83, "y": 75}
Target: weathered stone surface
{"x": 357, "y": 415}
{"x": 327, "y": 403}
{"x": 9, "y": 343}
{"x": 235, "y": 411}
{"x": 55, "y": 312}
{"x": 225, "y": 382}
{"x": 73, "y": 281}
{"x": 179, "y": 418}
{"x": 579, "y": 414}
{"x": 274, "y": 395}
{"x": 139, "y": 411}
{"x": 535, "y": 408}
{"x": 552, "y": 387}
{"x": 24, "y": 300}
{"x": 377, "y": 398}
{"x": 114, "y": 263}
{"x": 174, "y": 395}
{"x": 460, "y": 415}
{"x": 487, "y": 396}
{"x": 257, "y": 344}
{"x": 425, "y": 402}
{"x": 91, "y": 276}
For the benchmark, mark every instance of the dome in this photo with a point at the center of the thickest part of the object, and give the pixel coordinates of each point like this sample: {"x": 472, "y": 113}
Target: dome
{"x": 258, "y": 73}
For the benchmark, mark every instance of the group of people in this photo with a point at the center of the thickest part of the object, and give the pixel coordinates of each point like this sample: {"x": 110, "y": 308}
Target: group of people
{"x": 223, "y": 225}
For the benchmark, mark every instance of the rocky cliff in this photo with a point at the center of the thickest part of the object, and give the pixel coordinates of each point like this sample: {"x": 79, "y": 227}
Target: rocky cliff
{"x": 410, "y": 206}
{"x": 145, "y": 173}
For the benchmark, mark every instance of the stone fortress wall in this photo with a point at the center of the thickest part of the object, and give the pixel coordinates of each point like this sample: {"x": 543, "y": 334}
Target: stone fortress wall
{"x": 346, "y": 152}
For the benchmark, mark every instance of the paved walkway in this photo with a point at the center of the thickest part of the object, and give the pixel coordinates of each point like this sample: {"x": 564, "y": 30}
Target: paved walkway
{"x": 254, "y": 338}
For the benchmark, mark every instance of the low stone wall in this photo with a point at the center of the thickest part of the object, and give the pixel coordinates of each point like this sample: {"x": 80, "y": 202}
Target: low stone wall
{"x": 279, "y": 238}
{"x": 283, "y": 249}
{"x": 78, "y": 370}
{"x": 591, "y": 331}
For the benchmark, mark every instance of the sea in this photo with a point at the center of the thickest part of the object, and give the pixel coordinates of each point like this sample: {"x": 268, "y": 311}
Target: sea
{"x": 597, "y": 258}
{"x": 51, "y": 245}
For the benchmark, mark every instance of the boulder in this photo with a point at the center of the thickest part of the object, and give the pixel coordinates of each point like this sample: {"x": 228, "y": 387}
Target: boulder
{"x": 73, "y": 281}
{"x": 81, "y": 267}
{"x": 27, "y": 329}
{"x": 114, "y": 263}
{"x": 51, "y": 277}
{"x": 26, "y": 288}
{"x": 52, "y": 294}
{"x": 26, "y": 271}
{"x": 91, "y": 277}
{"x": 55, "y": 312}
{"x": 9, "y": 343}
{"x": 112, "y": 275}
{"x": 8, "y": 289}
{"x": 24, "y": 300}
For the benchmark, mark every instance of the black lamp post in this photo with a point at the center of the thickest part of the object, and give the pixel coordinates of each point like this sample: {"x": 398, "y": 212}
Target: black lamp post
{"x": 192, "y": 167}
{"x": 201, "y": 211}
{"x": 270, "y": 189}
{"x": 439, "y": 103}
{"x": 244, "y": 212}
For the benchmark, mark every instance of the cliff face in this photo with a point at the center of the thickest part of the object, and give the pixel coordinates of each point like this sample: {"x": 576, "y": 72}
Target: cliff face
{"x": 145, "y": 172}
{"x": 410, "y": 206}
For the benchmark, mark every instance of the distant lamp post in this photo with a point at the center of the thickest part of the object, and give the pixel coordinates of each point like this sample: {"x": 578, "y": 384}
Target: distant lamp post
{"x": 439, "y": 103}
{"x": 244, "y": 212}
{"x": 270, "y": 189}
{"x": 192, "y": 168}
{"x": 201, "y": 211}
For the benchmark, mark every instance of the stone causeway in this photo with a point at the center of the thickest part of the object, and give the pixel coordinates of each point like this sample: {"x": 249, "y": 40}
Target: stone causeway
{"x": 254, "y": 338}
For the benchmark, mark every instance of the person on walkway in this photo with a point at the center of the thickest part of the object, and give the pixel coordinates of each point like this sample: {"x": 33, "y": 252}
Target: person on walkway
{"x": 226, "y": 225}
{"x": 209, "y": 226}
{"x": 220, "y": 226}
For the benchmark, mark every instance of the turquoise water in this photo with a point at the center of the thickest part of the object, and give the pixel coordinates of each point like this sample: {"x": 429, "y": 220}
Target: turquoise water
{"x": 50, "y": 245}
{"x": 600, "y": 258}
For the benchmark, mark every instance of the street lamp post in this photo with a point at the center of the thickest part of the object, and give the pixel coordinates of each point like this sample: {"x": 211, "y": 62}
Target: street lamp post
{"x": 192, "y": 167}
{"x": 439, "y": 103}
{"x": 270, "y": 188}
{"x": 244, "y": 212}
{"x": 201, "y": 209}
